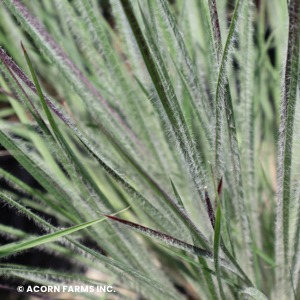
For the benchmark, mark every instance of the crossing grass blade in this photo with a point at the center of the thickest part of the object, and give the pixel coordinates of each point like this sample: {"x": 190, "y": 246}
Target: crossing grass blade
{"x": 177, "y": 194}
{"x": 15, "y": 247}
{"x": 174, "y": 242}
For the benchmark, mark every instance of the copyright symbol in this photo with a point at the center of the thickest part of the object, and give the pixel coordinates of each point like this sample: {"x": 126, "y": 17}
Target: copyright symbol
{"x": 20, "y": 288}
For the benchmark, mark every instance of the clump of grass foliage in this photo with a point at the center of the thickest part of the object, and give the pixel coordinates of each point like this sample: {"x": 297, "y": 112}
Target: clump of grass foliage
{"x": 176, "y": 110}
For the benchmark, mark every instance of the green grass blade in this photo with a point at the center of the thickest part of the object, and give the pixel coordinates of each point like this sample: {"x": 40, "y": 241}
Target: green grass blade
{"x": 176, "y": 194}
{"x": 23, "y": 245}
{"x": 288, "y": 106}
{"x": 254, "y": 293}
{"x": 217, "y": 248}
{"x": 29, "y": 103}
{"x": 266, "y": 258}
{"x": 15, "y": 247}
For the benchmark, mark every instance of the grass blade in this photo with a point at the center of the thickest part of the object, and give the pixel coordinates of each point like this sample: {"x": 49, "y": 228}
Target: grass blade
{"x": 286, "y": 144}
{"x": 172, "y": 241}
{"x": 217, "y": 247}
{"x": 23, "y": 245}
{"x": 254, "y": 293}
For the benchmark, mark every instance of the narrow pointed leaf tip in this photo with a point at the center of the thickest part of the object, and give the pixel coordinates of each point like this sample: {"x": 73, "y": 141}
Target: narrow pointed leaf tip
{"x": 220, "y": 187}
{"x": 24, "y": 50}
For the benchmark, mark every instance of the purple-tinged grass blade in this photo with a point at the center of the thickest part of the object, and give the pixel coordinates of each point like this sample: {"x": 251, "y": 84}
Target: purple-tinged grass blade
{"x": 8, "y": 94}
{"x": 220, "y": 185}
{"x": 218, "y": 241}
{"x": 169, "y": 240}
{"x": 210, "y": 210}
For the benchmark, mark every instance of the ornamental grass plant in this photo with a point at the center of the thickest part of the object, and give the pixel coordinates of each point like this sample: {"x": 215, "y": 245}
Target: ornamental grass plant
{"x": 167, "y": 134}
